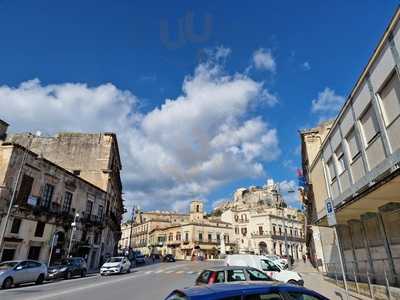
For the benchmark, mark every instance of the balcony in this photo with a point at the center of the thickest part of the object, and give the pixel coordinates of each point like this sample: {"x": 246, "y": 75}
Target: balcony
{"x": 92, "y": 220}
{"x": 242, "y": 221}
{"x": 289, "y": 238}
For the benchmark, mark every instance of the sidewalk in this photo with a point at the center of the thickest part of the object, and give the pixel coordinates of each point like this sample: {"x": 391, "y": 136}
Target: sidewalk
{"x": 313, "y": 280}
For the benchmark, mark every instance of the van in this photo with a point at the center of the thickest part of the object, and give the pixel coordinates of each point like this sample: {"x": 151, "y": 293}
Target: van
{"x": 268, "y": 266}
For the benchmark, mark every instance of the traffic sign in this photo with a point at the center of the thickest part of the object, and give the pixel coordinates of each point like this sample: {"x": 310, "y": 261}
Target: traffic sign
{"x": 330, "y": 212}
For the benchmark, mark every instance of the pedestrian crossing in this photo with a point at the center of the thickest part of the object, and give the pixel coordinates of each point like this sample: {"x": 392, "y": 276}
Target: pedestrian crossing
{"x": 176, "y": 271}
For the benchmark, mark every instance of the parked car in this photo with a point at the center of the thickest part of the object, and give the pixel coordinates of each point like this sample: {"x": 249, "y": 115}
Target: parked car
{"x": 268, "y": 266}
{"x": 169, "y": 258}
{"x": 276, "y": 259}
{"x": 232, "y": 274}
{"x": 245, "y": 291}
{"x": 68, "y": 268}
{"x": 22, "y": 271}
{"x": 138, "y": 257}
{"x": 116, "y": 265}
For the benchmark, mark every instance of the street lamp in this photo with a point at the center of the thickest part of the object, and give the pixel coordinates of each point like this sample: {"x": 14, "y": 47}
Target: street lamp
{"x": 73, "y": 225}
{"x": 14, "y": 192}
{"x": 277, "y": 191}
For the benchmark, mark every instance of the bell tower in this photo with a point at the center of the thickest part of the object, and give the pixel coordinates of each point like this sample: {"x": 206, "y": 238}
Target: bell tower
{"x": 196, "y": 210}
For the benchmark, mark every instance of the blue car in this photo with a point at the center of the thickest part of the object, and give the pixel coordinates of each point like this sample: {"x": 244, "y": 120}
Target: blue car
{"x": 246, "y": 291}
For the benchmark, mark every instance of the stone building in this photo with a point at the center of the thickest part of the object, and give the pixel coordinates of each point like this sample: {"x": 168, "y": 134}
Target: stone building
{"x": 319, "y": 239}
{"x": 62, "y": 176}
{"x": 260, "y": 220}
{"x": 359, "y": 161}
{"x": 182, "y": 235}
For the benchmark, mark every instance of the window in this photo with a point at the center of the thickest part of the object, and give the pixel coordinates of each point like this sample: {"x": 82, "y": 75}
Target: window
{"x": 270, "y": 296}
{"x": 100, "y": 213}
{"x": 218, "y": 237}
{"x": 171, "y": 237}
{"x": 67, "y": 202}
{"x": 300, "y": 296}
{"x": 76, "y": 172}
{"x": 274, "y": 229}
{"x": 266, "y": 265}
{"x": 257, "y": 275}
{"x": 47, "y": 195}
{"x": 197, "y": 208}
{"x": 236, "y": 230}
{"x": 39, "y": 229}
{"x": 203, "y": 278}
{"x": 331, "y": 170}
{"x": 186, "y": 236}
{"x": 25, "y": 189}
{"x": 178, "y": 236}
{"x": 15, "y": 225}
{"x": 200, "y": 236}
{"x": 260, "y": 230}
{"x": 352, "y": 144}
{"x": 390, "y": 95}
{"x": 341, "y": 166}
{"x": 89, "y": 208}
{"x": 209, "y": 237}
{"x": 34, "y": 253}
{"x": 220, "y": 278}
{"x": 236, "y": 275}
{"x": 244, "y": 231}
{"x": 369, "y": 125}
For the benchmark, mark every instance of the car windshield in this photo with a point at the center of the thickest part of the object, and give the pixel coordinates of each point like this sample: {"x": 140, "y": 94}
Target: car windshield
{"x": 66, "y": 262}
{"x": 115, "y": 259}
{"x": 8, "y": 265}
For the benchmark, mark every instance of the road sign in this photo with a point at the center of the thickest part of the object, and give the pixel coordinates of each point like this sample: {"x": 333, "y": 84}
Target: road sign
{"x": 330, "y": 212}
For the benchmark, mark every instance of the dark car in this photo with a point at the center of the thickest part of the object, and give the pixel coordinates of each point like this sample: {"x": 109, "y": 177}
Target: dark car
{"x": 138, "y": 258}
{"x": 169, "y": 258}
{"x": 67, "y": 268}
{"x": 232, "y": 274}
{"x": 245, "y": 291}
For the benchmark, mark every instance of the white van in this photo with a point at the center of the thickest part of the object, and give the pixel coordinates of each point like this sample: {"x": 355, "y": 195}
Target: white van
{"x": 265, "y": 264}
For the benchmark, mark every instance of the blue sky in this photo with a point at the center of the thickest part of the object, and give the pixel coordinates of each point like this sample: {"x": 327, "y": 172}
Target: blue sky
{"x": 240, "y": 82}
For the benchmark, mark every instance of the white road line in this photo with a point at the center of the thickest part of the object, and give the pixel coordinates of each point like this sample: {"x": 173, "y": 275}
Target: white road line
{"x": 179, "y": 272}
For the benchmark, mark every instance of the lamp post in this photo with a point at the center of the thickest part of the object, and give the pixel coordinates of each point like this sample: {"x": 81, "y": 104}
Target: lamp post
{"x": 14, "y": 192}
{"x": 73, "y": 225}
{"x": 277, "y": 191}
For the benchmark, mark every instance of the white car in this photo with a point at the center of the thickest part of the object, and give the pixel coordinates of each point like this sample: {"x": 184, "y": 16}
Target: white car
{"x": 283, "y": 262}
{"x": 116, "y": 265}
{"x": 268, "y": 266}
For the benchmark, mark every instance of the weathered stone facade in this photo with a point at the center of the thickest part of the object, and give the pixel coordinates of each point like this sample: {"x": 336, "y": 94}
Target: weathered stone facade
{"x": 63, "y": 175}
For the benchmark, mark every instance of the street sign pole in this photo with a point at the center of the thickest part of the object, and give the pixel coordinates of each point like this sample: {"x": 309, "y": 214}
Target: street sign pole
{"x": 330, "y": 210}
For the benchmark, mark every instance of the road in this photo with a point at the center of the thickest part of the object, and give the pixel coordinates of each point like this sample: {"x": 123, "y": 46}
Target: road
{"x": 151, "y": 282}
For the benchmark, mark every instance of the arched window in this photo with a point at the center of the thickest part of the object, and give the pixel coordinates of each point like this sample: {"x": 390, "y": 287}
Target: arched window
{"x": 197, "y": 208}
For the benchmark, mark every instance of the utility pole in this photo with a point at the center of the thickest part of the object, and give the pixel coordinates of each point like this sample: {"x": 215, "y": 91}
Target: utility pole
{"x": 131, "y": 229}
{"x": 12, "y": 200}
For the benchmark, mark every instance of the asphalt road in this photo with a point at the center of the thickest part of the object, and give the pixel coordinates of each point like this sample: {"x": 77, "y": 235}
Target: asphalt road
{"x": 151, "y": 282}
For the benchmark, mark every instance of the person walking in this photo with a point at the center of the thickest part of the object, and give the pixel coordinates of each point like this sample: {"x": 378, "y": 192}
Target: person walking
{"x": 304, "y": 258}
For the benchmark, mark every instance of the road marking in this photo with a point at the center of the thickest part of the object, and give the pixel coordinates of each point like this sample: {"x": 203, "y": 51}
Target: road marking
{"x": 148, "y": 272}
{"x": 179, "y": 272}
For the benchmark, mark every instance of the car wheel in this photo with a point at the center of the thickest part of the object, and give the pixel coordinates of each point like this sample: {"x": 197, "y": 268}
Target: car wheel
{"x": 129, "y": 270}
{"x": 83, "y": 273}
{"x": 7, "y": 283}
{"x": 68, "y": 275}
{"x": 40, "y": 279}
{"x": 293, "y": 282}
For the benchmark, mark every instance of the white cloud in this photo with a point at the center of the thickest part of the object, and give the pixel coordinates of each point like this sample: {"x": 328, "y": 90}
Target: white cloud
{"x": 306, "y": 66}
{"x": 268, "y": 98}
{"x": 179, "y": 151}
{"x": 263, "y": 60}
{"x": 327, "y": 104}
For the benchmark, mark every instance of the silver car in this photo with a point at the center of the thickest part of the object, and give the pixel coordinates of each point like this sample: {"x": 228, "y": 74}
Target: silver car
{"x": 21, "y": 271}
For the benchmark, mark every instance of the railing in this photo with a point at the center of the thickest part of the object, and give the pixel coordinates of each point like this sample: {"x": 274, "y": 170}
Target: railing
{"x": 365, "y": 279}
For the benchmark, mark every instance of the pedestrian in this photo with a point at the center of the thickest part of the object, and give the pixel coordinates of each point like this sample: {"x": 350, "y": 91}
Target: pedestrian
{"x": 304, "y": 258}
